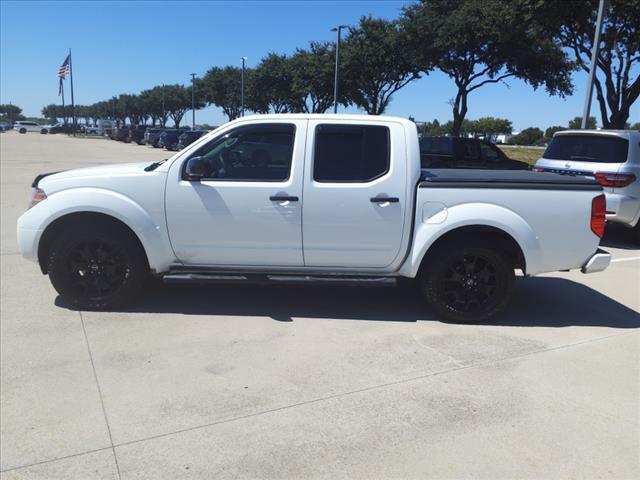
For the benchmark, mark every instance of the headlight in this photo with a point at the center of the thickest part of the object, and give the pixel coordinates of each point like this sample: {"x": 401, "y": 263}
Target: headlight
{"x": 37, "y": 195}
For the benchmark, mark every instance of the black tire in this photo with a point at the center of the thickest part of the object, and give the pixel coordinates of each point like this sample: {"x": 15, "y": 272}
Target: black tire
{"x": 44, "y": 131}
{"x": 468, "y": 281}
{"x": 97, "y": 266}
{"x": 23, "y": 130}
{"x": 635, "y": 235}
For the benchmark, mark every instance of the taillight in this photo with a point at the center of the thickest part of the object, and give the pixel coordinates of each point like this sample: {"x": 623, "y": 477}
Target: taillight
{"x": 598, "y": 211}
{"x": 537, "y": 169}
{"x": 614, "y": 179}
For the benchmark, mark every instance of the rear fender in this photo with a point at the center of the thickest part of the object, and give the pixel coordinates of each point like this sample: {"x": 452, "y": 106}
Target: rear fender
{"x": 429, "y": 230}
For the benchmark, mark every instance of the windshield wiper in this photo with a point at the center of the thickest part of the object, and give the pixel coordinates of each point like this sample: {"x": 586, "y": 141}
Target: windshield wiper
{"x": 581, "y": 157}
{"x": 154, "y": 165}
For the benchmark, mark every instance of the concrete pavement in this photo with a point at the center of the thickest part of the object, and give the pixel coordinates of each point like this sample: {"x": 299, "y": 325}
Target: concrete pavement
{"x": 309, "y": 382}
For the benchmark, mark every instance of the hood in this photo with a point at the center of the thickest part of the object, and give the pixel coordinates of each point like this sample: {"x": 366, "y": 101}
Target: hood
{"x": 102, "y": 172}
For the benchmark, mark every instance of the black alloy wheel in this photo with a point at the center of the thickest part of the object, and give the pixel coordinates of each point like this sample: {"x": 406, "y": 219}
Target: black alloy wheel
{"x": 468, "y": 282}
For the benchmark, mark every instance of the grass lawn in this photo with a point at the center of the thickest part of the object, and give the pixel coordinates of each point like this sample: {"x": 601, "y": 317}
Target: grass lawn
{"x": 524, "y": 154}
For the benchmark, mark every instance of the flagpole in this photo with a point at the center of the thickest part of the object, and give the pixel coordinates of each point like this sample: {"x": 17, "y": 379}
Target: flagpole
{"x": 73, "y": 107}
{"x": 62, "y": 91}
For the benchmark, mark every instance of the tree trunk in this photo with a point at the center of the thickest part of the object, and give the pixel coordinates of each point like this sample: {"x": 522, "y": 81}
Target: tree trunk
{"x": 459, "y": 111}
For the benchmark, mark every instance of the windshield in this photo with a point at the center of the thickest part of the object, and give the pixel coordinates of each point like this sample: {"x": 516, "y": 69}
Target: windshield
{"x": 588, "y": 148}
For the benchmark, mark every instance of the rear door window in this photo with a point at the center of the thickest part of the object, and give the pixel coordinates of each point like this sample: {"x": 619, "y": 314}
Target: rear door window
{"x": 588, "y": 148}
{"x": 350, "y": 153}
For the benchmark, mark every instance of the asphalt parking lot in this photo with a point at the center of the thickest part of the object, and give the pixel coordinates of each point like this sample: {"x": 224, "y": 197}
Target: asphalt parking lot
{"x": 309, "y": 382}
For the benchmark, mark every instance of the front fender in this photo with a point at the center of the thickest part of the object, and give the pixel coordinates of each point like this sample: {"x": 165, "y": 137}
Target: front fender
{"x": 149, "y": 226}
{"x": 466, "y": 215}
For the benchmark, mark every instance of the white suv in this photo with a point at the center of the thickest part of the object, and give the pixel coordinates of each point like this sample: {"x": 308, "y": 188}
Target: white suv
{"x": 25, "y": 126}
{"x": 612, "y": 157}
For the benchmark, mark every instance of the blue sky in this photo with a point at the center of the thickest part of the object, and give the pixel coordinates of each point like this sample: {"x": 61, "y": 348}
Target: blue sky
{"x": 125, "y": 47}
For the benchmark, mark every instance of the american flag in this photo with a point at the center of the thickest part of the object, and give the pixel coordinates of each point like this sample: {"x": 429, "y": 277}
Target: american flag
{"x": 64, "y": 70}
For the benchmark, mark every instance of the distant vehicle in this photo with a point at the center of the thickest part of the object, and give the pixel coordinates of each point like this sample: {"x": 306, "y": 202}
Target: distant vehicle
{"x": 94, "y": 130}
{"x": 612, "y": 157}
{"x": 5, "y": 125}
{"x": 24, "y": 126}
{"x": 458, "y": 152}
{"x": 121, "y": 133}
{"x": 187, "y": 138}
{"x": 169, "y": 139}
{"x": 152, "y": 137}
{"x": 136, "y": 134}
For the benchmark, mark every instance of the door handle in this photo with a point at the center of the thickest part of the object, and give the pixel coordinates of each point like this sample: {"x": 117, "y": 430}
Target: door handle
{"x": 283, "y": 198}
{"x": 385, "y": 199}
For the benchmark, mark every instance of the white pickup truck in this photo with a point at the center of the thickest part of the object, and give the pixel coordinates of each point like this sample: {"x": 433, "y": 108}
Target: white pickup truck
{"x": 332, "y": 199}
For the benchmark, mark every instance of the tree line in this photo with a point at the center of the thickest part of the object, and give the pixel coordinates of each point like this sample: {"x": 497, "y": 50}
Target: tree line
{"x": 475, "y": 43}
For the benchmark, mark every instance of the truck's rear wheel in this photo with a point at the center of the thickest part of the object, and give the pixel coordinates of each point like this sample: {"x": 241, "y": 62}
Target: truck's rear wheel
{"x": 97, "y": 266}
{"x": 468, "y": 281}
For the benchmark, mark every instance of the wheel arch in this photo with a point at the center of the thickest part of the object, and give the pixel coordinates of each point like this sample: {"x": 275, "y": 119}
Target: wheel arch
{"x": 78, "y": 219}
{"x": 502, "y": 239}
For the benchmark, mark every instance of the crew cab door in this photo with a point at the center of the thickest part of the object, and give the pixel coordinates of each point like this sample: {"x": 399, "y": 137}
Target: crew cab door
{"x": 355, "y": 187}
{"x": 247, "y": 209}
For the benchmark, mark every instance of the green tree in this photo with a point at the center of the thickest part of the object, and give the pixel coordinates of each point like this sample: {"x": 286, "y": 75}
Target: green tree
{"x": 573, "y": 24}
{"x": 489, "y": 127}
{"x": 313, "y": 78}
{"x": 178, "y": 102}
{"x": 528, "y": 136}
{"x": 11, "y": 112}
{"x": 428, "y": 129}
{"x": 375, "y": 64}
{"x": 548, "y": 133}
{"x": 221, "y": 87}
{"x": 576, "y": 123}
{"x": 635, "y": 126}
{"x": 483, "y": 42}
{"x": 270, "y": 88}
{"x": 151, "y": 103}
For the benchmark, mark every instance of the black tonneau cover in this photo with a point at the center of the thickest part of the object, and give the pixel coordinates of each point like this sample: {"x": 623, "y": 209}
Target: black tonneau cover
{"x": 509, "y": 179}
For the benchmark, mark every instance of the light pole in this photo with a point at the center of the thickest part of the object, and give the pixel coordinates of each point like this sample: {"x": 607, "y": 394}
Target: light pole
{"x": 592, "y": 68}
{"x": 193, "y": 101}
{"x": 244, "y": 59}
{"x": 335, "y": 85}
{"x": 164, "y": 114}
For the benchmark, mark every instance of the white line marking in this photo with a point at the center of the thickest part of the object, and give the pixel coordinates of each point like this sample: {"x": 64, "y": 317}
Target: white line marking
{"x": 624, "y": 259}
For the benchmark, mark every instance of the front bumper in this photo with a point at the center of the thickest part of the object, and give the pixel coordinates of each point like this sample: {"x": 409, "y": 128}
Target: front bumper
{"x": 598, "y": 262}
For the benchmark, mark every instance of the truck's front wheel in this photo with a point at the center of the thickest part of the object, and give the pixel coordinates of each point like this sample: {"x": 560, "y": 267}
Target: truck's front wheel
{"x": 97, "y": 266}
{"x": 468, "y": 281}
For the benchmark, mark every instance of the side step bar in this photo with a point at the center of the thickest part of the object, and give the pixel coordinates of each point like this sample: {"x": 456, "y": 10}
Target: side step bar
{"x": 204, "y": 278}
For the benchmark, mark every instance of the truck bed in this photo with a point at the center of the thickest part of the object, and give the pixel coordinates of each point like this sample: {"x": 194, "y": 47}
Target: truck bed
{"x": 505, "y": 179}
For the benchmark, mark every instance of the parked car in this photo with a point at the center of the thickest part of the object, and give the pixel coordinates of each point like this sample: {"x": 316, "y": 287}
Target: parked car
{"x": 187, "y": 138}
{"x": 152, "y": 137}
{"x": 612, "y": 157}
{"x": 459, "y": 152}
{"x": 5, "y": 125}
{"x": 121, "y": 133}
{"x": 136, "y": 134}
{"x": 24, "y": 126}
{"x": 229, "y": 208}
{"x": 169, "y": 139}
{"x": 65, "y": 128}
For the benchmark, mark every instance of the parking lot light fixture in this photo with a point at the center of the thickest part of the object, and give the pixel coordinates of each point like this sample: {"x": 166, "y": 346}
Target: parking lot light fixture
{"x": 193, "y": 101}
{"x": 244, "y": 59}
{"x": 335, "y": 85}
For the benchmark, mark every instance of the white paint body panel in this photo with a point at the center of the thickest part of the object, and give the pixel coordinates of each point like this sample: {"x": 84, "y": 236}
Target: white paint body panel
{"x": 233, "y": 222}
{"x": 334, "y": 228}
